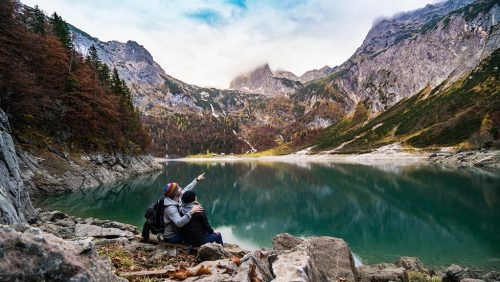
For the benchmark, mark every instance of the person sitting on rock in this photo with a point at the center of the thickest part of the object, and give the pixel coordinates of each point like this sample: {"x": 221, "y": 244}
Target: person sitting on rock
{"x": 171, "y": 217}
{"x": 197, "y": 231}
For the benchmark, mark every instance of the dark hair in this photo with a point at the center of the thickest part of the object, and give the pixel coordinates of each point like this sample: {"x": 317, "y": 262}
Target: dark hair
{"x": 188, "y": 197}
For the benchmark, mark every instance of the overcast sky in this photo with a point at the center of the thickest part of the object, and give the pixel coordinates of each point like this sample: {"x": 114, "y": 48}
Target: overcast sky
{"x": 209, "y": 42}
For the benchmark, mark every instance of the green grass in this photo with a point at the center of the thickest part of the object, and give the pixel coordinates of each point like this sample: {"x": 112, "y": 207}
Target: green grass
{"x": 415, "y": 276}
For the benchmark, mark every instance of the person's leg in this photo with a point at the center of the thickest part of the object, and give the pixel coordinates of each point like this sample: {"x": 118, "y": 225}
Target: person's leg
{"x": 213, "y": 238}
{"x": 219, "y": 238}
{"x": 177, "y": 239}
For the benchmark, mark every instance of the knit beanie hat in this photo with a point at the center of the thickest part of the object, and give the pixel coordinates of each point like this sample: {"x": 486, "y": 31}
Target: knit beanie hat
{"x": 188, "y": 197}
{"x": 169, "y": 189}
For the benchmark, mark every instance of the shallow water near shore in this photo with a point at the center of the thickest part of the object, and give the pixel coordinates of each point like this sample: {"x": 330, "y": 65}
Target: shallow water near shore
{"x": 440, "y": 215}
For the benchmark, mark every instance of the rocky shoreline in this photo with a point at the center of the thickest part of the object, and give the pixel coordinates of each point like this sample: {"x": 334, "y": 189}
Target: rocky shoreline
{"x": 59, "y": 172}
{"x": 479, "y": 158}
{"x": 64, "y": 248}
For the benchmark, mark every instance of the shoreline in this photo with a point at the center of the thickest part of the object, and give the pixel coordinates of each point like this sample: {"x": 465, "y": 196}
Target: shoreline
{"x": 382, "y": 156}
{"x": 405, "y": 158}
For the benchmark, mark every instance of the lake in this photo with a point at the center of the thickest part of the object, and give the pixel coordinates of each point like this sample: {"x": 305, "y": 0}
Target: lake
{"x": 440, "y": 215}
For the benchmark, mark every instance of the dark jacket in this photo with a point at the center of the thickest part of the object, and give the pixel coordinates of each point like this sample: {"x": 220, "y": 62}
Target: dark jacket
{"x": 195, "y": 230}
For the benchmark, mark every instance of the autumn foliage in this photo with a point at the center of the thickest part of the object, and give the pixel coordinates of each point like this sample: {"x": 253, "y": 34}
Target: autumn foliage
{"x": 54, "y": 96}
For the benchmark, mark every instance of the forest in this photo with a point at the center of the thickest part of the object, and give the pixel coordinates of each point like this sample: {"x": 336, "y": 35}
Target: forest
{"x": 56, "y": 97}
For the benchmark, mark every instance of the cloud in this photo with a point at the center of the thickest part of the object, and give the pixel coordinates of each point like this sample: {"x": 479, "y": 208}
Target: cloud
{"x": 208, "y": 42}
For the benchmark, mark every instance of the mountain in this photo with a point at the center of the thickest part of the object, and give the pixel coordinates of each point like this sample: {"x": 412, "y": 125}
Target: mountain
{"x": 403, "y": 55}
{"x": 187, "y": 119}
{"x": 400, "y": 57}
{"x": 465, "y": 113}
{"x": 279, "y": 83}
{"x": 263, "y": 81}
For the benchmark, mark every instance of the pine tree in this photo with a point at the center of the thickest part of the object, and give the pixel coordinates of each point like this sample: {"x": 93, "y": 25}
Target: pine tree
{"x": 37, "y": 21}
{"x": 127, "y": 94}
{"x": 116, "y": 83}
{"x": 61, "y": 30}
{"x": 103, "y": 73}
{"x": 93, "y": 58}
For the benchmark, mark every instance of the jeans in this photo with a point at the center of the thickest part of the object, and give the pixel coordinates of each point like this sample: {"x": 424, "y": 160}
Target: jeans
{"x": 175, "y": 240}
{"x": 213, "y": 238}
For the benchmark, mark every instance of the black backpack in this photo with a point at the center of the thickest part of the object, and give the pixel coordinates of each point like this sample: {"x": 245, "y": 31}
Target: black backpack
{"x": 154, "y": 219}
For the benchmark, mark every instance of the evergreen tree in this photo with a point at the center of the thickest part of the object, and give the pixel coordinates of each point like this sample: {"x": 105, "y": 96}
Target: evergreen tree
{"x": 61, "y": 30}
{"x": 37, "y": 21}
{"x": 103, "y": 73}
{"x": 116, "y": 83}
{"x": 93, "y": 58}
{"x": 127, "y": 94}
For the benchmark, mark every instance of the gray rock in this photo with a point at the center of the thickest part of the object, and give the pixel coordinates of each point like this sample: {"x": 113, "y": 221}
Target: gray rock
{"x": 87, "y": 230}
{"x": 383, "y": 272}
{"x": 285, "y": 241}
{"x": 15, "y": 203}
{"x": 212, "y": 251}
{"x": 51, "y": 216}
{"x": 90, "y": 172}
{"x": 315, "y": 259}
{"x": 32, "y": 255}
{"x": 492, "y": 276}
{"x": 456, "y": 273}
{"x": 411, "y": 263}
{"x": 256, "y": 266}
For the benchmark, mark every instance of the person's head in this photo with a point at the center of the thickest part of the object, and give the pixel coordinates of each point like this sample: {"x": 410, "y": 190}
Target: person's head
{"x": 171, "y": 190}
{"x": 188, "y": 197}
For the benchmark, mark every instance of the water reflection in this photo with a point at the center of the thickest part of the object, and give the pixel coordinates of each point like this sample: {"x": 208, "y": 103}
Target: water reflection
{"x": 442, "y": 216}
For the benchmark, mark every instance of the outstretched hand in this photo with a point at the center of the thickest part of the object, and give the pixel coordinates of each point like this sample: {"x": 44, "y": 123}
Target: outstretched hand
{"x": 200, "y": 177}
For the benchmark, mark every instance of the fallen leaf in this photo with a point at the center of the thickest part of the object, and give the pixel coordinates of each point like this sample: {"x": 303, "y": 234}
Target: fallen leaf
{"x": 203, "y": 270}
{"x": 236, "y": 260}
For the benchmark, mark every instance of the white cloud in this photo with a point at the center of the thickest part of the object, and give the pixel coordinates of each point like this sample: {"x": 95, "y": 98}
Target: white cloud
{"x": 296, "y": 35}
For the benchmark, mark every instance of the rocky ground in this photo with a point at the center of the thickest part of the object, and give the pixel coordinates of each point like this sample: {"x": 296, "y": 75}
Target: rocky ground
{"x": 57, "y": 172}
{"x": 478, "y": 158}
{"x": 97, "y": 250}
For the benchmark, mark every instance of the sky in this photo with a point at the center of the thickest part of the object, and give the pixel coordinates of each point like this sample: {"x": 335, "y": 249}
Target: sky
{"x": 209, "y": 42}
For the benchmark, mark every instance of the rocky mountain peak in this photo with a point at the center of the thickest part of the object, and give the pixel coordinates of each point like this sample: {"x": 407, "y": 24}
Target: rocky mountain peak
{"x": 401, "y": 55}
{"x": 315, "y": 74}
{"x": 263, "y": 81}
{"x": 286, "y": 74}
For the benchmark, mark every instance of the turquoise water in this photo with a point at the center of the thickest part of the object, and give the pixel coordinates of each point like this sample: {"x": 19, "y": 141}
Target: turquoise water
{"x": 442, "y": 216}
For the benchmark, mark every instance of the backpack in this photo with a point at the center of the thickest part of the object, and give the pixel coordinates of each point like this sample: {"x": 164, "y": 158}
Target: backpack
{"x": 154, "y": 219}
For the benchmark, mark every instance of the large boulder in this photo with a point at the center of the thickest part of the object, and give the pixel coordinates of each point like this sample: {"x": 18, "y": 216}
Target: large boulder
{"x": 492, "y": 276}
{"x": 411, "y": 263}
{"x": 28, "y": 254}
{"x": 212, "y": 251}
{"x": 313, "y": 259}
{"x": 15, "y": 203}
{"x": 456, "y": 273}
{"x": 383, "y": 272}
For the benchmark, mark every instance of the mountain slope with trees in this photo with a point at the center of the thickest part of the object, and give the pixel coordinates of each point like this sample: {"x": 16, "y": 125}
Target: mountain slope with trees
{"x": 55, "y": 97}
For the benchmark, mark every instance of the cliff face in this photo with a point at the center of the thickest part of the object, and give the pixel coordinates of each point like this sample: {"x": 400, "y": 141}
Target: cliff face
{"x": 15, "y": 204}
{"x": 401, "y": 56}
